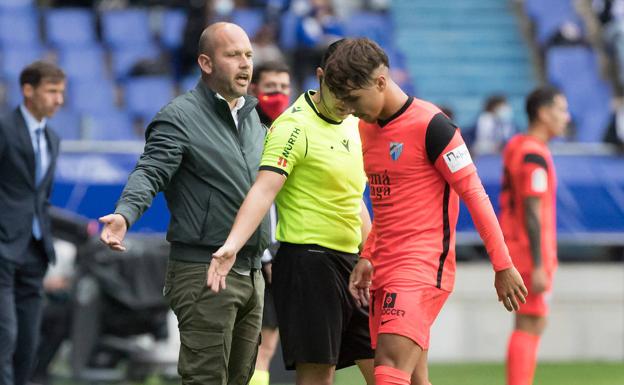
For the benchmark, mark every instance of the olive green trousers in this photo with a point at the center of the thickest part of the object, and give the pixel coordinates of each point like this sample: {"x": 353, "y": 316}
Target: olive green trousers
{"x": 219, "y": 332}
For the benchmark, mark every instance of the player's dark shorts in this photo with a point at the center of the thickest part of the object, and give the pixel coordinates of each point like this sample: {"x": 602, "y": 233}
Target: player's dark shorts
{"x": 269, "y": 316}
{"x": 319, "y": 320}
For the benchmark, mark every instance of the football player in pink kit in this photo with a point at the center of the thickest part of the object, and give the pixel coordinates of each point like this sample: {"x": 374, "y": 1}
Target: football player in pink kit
{"x": 528, "y": 202}
{"x": 417, "y": 167}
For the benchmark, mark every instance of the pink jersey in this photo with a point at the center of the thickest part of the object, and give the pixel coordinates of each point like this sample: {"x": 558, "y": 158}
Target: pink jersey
{"x": 529, "y": 172}
{"x": 416, "y": 163}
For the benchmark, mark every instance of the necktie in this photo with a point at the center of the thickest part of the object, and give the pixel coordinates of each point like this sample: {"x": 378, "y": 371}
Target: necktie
{"x": 36, "y": 226}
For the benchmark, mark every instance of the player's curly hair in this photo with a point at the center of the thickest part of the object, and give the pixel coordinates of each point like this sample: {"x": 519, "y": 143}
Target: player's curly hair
{"x": 351, "y": 65}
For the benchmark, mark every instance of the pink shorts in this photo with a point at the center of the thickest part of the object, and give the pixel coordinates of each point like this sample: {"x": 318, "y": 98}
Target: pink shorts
{"x": 536, "y": 304}
{"x": 408, "y": 312}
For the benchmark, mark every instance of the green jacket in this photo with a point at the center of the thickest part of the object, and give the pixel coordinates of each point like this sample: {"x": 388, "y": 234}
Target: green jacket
{"x": 205, "y": 166}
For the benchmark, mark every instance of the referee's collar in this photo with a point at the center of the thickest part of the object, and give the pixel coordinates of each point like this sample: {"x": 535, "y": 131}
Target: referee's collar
{"x": 308, "y": 99}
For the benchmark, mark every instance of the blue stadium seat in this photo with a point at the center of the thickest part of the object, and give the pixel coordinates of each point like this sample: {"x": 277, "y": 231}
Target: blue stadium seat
{"x": 13, "y": 93}
{"x": 188, "y": 83}
{"x": 576, "y": 71}
{"x": 310, "y": 83}
{"x": 566, "y": 64}
{"x": 549, "y": 15}
{"x": 172, "y": 29}
{"x": 123, "y": 59}
{"x": 16, "y": 5}
{"x": 66, "y": 123}
{"x": 145, "y": 96}
{"x": 91, "y": 96}
{"x": 19, "y": 29}
{"x": 373, "y": 25}
{"x": 250, "y": 19}
{"x": 128, "y": 27}
{"x": 70, "y": 27}
{"x": 83, "y": 62}
{"x": 596, "y": 114}
{"x": 116, "y": 125}
{"x": 288, "y": 30}
{"x": 14, "y": 59}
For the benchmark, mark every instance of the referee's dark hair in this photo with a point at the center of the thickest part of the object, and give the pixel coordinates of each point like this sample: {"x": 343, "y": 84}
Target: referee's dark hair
{"x": 538, "y": 98}
{"x": 351, "y": 65}
{"x": 329, "y": 51}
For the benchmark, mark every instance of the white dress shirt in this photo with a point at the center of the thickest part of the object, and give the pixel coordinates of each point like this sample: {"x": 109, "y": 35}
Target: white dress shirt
{"x": 33, "y": 124}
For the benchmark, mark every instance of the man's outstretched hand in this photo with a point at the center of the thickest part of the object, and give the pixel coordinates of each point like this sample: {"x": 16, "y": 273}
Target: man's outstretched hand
{"x": 114, "y": 231}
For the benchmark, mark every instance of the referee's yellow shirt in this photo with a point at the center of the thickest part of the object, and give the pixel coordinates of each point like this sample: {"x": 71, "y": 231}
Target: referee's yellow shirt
{"x": 322, "y": 160}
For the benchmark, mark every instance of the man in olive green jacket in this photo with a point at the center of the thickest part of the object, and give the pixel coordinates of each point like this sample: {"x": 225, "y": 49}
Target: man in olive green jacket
{"x": 203, "y": 150}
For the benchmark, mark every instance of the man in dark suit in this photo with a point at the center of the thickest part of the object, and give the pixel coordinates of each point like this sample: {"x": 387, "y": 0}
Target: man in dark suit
{"x": 28, "y": 152}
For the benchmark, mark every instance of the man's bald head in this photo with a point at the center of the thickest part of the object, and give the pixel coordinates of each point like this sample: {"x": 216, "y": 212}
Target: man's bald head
{"x": 218, "y": 33}
{"x": 226, "y": 59}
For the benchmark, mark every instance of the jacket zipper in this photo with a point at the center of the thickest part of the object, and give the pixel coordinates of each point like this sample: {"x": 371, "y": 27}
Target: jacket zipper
{"x": 236, "y": 133}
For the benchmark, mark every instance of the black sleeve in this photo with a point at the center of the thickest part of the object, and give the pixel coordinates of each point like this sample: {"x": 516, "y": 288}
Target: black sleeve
{"x": 440, "y": 131}
{"x": 274, "y": 169}
{"x": 536, "y": 159}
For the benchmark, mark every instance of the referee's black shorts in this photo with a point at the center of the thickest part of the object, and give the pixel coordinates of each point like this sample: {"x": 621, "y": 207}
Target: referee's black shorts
{"x": 319, "y": 320}
{"x": 269, "y": 317}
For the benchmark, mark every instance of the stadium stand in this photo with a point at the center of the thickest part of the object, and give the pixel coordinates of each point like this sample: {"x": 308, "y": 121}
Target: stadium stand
{"x": 250, "y": 19}
{"x": 575, "y": 70}
{"x": 16, "y": 29}
{"x": 456, "y": 60}
{"x": 83, "y": 63}
{"x": 548, "y": 16}
{"x": 68, "y": 123}
{"x": 172, "y": 28}
{"x": 111, "y": 125}
{"x": 91, "y": 96}
{"x": 70, "y": 27}
{"x": 446, "y": 48}
{"x": 127, "y": 27}
{"x": 123, "y": 67}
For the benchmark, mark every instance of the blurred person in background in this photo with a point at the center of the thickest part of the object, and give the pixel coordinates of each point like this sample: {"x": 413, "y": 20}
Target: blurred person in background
{"x": 494, "y": 126}
{"x": 28, "y": 154}
{"x": 271, "y": 85}
{"x": 528, "y": 219}
{"x": 265, "y": 46}
{"x": 200, "y": 15}
{"x": 417, "y": 166}
{"x": 312, "y": 168}
{"x": 614, "y": 133}
{"x": 569, "y": 33}
{"x": 611, "y": 16}
{"x": 203, "y": 151}
{"x": 316, "y": 29}
{"x": 57, "y": 312}
{"x": 71, "y": 232}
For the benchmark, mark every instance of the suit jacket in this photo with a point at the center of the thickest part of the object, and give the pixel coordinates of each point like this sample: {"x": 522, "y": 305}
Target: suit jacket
{"x": 20, "y": 197}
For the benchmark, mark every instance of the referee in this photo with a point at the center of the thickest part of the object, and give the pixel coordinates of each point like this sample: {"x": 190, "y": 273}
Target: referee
{"x": 312, "y": 166}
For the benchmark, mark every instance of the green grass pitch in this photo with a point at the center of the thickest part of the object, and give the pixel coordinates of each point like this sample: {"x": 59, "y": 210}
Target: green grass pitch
{"x": 568, "y": 373}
